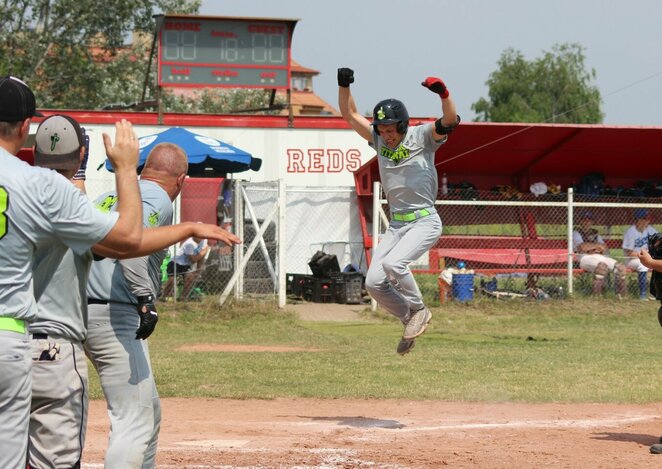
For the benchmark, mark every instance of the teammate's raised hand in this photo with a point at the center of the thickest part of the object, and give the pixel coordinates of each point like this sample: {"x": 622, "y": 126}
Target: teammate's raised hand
{"x": 124, "y": 153}
{"x": 436, "y": 85}
{"x": 345, "y": 77}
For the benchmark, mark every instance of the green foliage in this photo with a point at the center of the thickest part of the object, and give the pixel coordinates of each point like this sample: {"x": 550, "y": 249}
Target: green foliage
{"x": 73, "y": 53}
{"x": 553, "y": 88}
{"x": 219, "y": 101}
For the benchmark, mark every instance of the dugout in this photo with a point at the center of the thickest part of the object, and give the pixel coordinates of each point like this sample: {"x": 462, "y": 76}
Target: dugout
{"x": 480, "y": 157}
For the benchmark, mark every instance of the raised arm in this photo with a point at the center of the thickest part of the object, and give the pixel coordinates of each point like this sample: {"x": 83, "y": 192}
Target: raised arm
{"x": 348, "y": 107}
{"x": 127, "y": 232}
{"x": 449, "y": 119}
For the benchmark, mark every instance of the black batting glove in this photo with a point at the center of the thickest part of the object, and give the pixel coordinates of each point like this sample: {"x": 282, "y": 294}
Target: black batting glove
{"x": 345, "y": 77}
{"x": 148, "y": 316}
{"x": 436, "y": 85}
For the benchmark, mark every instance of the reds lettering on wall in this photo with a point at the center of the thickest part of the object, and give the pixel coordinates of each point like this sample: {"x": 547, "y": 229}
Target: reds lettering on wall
{"x": 322, "y": 161}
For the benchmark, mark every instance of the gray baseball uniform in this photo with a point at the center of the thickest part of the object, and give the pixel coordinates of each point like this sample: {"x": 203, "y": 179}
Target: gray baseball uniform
{"x": 59, "y": 368}
{"x": 37, "y": 207}
{"x": 409, "y": 179}
{"x": 121, "y": 360}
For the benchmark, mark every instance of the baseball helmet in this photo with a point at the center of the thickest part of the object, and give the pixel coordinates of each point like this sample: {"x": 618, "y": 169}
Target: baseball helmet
{"x": 58, "y": 142}
{"x": 391, "y": 111}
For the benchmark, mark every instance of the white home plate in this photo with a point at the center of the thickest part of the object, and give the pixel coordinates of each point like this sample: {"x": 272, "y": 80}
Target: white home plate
{"x": 215, "y": 443}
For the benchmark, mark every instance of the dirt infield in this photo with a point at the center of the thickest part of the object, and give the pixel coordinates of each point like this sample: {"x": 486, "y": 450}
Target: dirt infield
{"x": 394, "y": 434}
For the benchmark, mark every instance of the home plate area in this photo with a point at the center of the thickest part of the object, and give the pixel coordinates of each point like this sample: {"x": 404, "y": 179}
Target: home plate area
{"x": 393, "y": 434}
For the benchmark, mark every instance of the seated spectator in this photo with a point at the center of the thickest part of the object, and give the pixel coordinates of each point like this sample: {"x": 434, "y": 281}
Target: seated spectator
{"x": 189, "y": 260}
{"x": 591, "y": 252}
{"x": 634, "y": 240}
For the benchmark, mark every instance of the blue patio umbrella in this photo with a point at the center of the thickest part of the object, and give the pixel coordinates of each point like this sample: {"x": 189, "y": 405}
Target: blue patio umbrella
{"x": 206, "y": 155}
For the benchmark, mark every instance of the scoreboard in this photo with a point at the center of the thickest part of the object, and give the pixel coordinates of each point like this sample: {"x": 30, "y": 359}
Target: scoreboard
{"x": 200, "y": 51}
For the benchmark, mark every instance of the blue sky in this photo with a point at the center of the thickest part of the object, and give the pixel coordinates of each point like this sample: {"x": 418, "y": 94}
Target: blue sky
{"x": 393, "y": 45}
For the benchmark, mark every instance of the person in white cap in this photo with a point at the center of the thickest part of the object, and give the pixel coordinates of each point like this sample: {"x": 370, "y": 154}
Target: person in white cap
{"x": 59, "y": 370}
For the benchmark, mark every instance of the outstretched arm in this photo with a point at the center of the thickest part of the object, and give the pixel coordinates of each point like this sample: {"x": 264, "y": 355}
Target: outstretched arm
{"x": 155, "y": 239}
{"x": 449, "y": 120}
{"x": 348, "y": 107}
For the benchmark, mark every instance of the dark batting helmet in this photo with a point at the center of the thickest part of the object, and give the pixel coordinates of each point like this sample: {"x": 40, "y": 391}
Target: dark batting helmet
{"x": 391, "y": 111}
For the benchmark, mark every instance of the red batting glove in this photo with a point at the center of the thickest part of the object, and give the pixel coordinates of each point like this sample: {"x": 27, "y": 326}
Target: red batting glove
{"x": 436, "y": 85}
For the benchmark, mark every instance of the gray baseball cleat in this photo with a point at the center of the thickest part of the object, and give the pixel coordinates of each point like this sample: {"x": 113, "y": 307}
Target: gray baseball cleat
{"x": 417, "y": 324}
{"x": 405, "y": 346}
{"x": 656, "y": 449}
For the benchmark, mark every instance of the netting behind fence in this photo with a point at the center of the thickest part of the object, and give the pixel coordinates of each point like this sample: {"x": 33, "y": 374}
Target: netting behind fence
{"x": 528, "y": 245}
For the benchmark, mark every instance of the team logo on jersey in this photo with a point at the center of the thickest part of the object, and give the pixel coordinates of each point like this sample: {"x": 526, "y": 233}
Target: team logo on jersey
{"x": 381, "y": 114}
{"x": 153, "y": 219}
{"x": 397, "y": 156}
{"x": 107, "y": 204}
{"x": 54, "y": 139}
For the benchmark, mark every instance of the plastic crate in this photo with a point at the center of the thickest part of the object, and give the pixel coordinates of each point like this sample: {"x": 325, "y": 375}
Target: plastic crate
{"x": 348, "y": 287}
{"x": 294, "y": 284}
{"x": 318, "y": 290}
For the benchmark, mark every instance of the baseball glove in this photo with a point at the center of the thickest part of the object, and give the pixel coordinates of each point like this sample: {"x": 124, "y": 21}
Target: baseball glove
{"x": 655, "y": 245}
{"x": 655, "y": 250}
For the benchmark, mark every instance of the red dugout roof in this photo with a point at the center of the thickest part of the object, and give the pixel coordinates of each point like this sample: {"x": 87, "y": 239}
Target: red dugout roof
{"x": 487, "y": 154}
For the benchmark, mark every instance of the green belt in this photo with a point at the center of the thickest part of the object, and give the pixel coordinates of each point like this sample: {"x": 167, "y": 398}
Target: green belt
{"x": 12, "y": 324}
{"x": 411, "y": 216}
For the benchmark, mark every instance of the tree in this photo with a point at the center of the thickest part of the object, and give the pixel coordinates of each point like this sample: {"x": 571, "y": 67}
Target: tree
{"x": 554, "y": 88}
{"x": 73, "y": 53}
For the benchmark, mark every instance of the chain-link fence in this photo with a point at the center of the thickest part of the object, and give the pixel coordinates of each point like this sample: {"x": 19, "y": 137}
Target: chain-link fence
{"x": 524, "y": 245}
{"x": 318, "y": 219}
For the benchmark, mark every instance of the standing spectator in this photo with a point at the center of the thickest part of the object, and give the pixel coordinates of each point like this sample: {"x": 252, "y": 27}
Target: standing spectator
{"x": 38, "y": 207}
{"x": 634, "y": 240}
{"x": 406, "y": 157}
{"x": 591, "y": 252}
{"x": 189, "y": 261}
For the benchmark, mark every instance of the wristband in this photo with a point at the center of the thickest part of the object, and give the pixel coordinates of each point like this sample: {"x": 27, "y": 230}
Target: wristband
{"x": 442, "y": 129}
{"x": 145, "y": 299}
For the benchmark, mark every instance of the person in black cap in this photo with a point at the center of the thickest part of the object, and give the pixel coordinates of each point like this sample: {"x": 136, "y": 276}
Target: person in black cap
{"x": 17, "y": 108}
{"x": 37, "y": 208}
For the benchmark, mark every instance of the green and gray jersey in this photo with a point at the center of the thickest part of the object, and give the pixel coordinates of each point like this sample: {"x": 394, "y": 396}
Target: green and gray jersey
{"x": 408, "y": 174}
{"x": 39, "y": 207}
{"x": 122, "y": 281}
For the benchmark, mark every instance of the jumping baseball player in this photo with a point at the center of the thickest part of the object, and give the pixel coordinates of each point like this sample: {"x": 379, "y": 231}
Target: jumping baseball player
{"x": 409, "y": 178}
{"x": 39, "y": 207}
{"x": 116, "y": 342}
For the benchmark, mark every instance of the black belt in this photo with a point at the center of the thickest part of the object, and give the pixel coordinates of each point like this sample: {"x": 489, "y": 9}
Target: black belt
{"x": 40, "y": 336}
{"x": 94, "y": 301}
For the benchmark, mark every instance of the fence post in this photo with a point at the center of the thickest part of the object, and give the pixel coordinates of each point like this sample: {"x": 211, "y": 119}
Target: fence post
{"x": 570, "y": 247}
{"x": 376, "y": 196}
{"x": 282, "y": 252}
{"x": 238, "y": 200}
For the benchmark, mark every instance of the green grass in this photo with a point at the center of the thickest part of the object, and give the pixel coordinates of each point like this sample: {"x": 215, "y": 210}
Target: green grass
{"x": 516, "y": 350}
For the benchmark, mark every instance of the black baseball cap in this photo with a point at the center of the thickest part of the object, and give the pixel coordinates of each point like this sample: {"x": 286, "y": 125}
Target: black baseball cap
{"x": 17, "y": 101}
